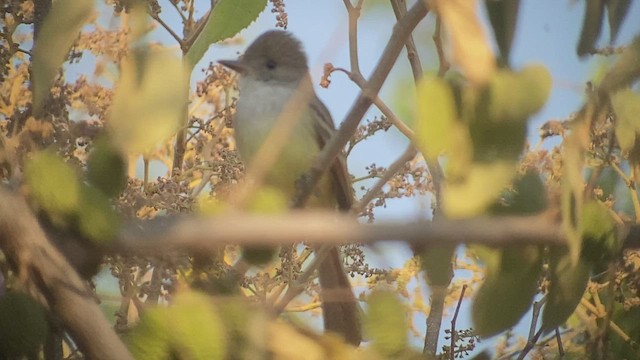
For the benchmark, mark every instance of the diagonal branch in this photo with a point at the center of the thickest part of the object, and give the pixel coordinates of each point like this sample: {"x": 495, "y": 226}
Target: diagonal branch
{"x": 401, "y": 31}
{"x": 42, "y": 268}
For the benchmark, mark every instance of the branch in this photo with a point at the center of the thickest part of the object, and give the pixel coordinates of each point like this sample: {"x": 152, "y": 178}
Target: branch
{"x": 401, "y": 31}
{"x": 42, "y": 268}
{"x": 329, "y": 228}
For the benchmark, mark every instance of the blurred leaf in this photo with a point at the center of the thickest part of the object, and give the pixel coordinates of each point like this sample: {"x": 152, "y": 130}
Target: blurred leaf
{"x": 53, "y": 183}
{"x": 106, "y": 168}
{"x": 437, "y": 114}
{"x": 268, "y": 200}
{"x": 149, "y": 102}
{"x": 228, "y": 18}
{"x": 625, "y": 71}
{"x": 591, "y": 26}
{"x": 58, "y": 33}
{"x": 150, "y": 339}
{"x": 191, "y": 329}
{"x": 568, "y": 283}
{"x": 437, "y": 262}
{"x": 626, "y": 105}
{"x": 617, "y": 11}
{"x": 506, "y": 294}
{"x": 514, "y": 96}
{"x": 529, "y": 196}
{"x": 600, "y": 243}
{"x": 259, "y": 255}
{"x": 23, "y": 326}
{"x": 386, "y": 323}
{"x": 471, "y": 49}
{"x": 482, "y": 186}
{"x": 503, "y": 15}
{"x": 96, "y": 217}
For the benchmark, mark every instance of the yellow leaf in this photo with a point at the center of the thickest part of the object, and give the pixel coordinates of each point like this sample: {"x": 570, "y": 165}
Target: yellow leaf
{"x": 478, "y": 190}
{"x": 437, "y": 112}
{"x": 470, "y": 45}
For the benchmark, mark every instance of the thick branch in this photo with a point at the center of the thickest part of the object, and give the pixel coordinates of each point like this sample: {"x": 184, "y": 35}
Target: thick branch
{"x": 202, "y": 234}
{"x": 41, "y": 267}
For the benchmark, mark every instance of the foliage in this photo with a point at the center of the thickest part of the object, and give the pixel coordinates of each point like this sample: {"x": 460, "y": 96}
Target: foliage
{"x": 71, "y": 144}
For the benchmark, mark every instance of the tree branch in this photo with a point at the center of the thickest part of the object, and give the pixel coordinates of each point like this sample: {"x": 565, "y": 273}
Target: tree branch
{"x": 41, "y": 268}
{"x": 401, "y": 31}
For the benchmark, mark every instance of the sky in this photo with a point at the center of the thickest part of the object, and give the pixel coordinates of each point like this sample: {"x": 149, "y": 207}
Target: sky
{"x": 547, "y": 33}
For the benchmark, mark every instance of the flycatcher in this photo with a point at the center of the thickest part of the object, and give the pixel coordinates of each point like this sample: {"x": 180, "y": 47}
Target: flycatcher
{"x": 275, "y": 89}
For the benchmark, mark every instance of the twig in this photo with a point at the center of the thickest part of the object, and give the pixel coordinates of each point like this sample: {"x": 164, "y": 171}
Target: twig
{"x": 337, "y": 142}
{"x": 437, "y": 39}
{"x": 393, "y": 169}
{"x": 169, "y": 29}
{"x": 297, "y": 287}
{"x": 559, "y": 341}
{"x": 530, "y": 344}
{"x": 454, "y": 335}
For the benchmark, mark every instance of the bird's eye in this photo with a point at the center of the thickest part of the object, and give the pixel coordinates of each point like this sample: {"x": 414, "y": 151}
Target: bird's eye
{"x": 271, "y": 64}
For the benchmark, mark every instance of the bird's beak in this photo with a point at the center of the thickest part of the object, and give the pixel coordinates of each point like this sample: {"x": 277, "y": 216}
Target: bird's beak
{"x": 235, "y": 65}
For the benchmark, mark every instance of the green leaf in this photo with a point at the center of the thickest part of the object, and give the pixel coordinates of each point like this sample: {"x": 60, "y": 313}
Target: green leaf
{"x": 191, "y": 327}
{"x": 437, "y": 116}
{"x": 506, "y": 294}
{"x": 386, "y": 323}
{"x": 591, "y": 26}
{"x": 625, "y": 71}
{"x": 503, "y": 16}
{"x": 437, "y": 262}
{"x": 23, "y": 327}
{"x": 528, "y": 196}
{"x": 53, "y": 183}
{"x": 514, "y": 96}
{"x": 58, "y": 33}
{"x": 480, "y": 189}
{"x": 228, "y": 18}
{"x": 626, "y": 105}
{"x": 150, "y": 100}
{"x": 96, "y": 217}
{"x": 106, "y": 168}
{"x": 617, "y": 11}
{"x": 568, "y": 283}
{"x": 600, "y": 243}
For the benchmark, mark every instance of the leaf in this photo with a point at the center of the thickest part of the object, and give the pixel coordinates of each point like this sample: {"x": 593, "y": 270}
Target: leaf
{"x": 58, "y": 33}
{"x": 516, "y": 96}
{"x": 529, "y": 196}
{"x": 600, "y": 243}
{"x": 507, "y": 293}
{"x": 625, "y": 71}
{"x": 53, "y": 183}
{"x": 191, "y": 328}
{"x": 386, "y": 323}
{"x": 150, "y": 100}
{"x": 626, "y": 105}
{"x": 106, "y": 168}
{"x": 23, "y": 327}
{"x": 503, "y": 16}
{"x": 471, "y": 49}
{"x": 568, "y": 283}
{"x": 228, "y": 18}
{"x": 437, "y": 114}
{"x": 97, "y": 219}
{"x": 484, "y": 183}
{"x": 617, "y": 11}
{"x": 437, "y": 262}
{"x": 591, "y": 26}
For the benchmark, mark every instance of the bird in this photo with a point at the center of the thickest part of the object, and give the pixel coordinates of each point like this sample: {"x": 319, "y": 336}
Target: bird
{"x": 273, "y": 75}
